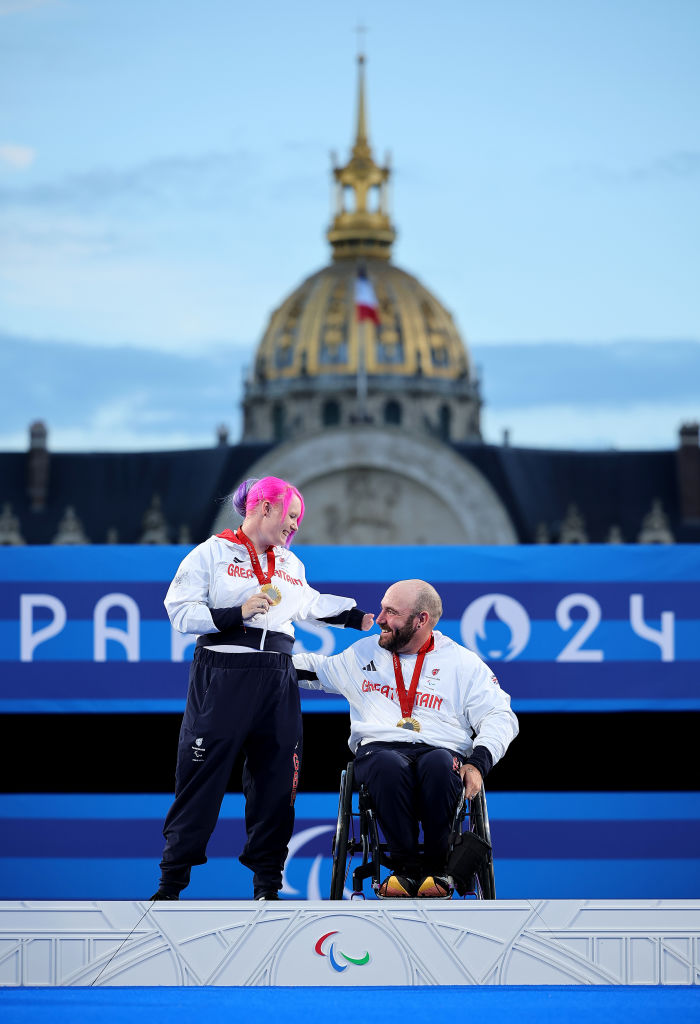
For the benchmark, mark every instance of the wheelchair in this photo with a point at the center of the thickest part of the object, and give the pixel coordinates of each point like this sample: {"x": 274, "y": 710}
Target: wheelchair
{"x": 357, "y": 833}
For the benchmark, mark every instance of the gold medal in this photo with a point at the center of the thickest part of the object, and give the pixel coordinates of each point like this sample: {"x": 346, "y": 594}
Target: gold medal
{"x": 272, "y": 592}
{"x": 407, "y": 700}
{"x": 412, "y": 724}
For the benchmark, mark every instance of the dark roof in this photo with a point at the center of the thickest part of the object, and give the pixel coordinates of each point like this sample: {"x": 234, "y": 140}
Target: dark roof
{"x": 114, "y": 490}
{"x": 610, "y": 488}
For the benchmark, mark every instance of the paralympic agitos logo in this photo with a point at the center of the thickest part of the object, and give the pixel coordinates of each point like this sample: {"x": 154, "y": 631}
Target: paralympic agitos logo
{"x": 339, "y": 967}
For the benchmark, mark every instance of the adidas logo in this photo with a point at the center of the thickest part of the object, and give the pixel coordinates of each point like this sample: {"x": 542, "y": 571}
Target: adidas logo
{"x": 369, "y": 668}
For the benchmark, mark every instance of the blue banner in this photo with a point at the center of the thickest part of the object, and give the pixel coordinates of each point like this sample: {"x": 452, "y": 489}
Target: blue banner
{"x": 589, "y": 628}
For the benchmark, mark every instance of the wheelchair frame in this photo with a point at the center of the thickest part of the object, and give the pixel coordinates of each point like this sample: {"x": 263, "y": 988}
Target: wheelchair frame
{"x": 375, "y": 853}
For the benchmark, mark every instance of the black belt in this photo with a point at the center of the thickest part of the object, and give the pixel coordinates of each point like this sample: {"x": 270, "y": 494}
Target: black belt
{"x": 249, "y": 636}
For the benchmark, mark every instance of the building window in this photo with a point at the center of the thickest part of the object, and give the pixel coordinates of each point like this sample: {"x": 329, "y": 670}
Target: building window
{"x": 445, "y": 422}
{"x": 278, "y": 422}
{"x": 330, "y": 413}
{"x": 392, "y": 412}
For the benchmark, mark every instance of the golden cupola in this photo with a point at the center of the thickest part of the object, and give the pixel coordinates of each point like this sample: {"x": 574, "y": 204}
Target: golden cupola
{"x": 316, "y": 367}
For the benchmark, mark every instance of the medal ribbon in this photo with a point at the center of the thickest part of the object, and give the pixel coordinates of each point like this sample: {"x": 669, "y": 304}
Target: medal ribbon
{"x": 407, "y": 699}
{"x": 262, "y": 577}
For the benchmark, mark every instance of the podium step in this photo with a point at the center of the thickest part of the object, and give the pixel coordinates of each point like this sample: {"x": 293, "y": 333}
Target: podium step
{"x": 358, "y": 944}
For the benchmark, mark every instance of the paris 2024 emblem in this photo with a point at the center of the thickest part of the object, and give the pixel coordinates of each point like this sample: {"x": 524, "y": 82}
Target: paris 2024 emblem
{"x": 495, "y": 626}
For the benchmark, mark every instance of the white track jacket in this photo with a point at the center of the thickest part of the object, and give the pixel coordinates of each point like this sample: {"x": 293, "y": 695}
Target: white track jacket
{"x": 459, "y": 702}
{"x": 218, "y": 574}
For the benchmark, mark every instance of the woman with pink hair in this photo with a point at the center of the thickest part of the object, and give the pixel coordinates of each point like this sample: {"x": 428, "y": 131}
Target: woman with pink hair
{"x": 241, "y": 591}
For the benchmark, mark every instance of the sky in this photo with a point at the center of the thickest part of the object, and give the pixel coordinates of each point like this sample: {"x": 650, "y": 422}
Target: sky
{"x": 165, "y": 182}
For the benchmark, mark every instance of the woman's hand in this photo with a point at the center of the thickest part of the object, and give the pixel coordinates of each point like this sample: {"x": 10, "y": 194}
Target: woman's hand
{"x": 367, "y": 621}
{"x": 255, "y": 605}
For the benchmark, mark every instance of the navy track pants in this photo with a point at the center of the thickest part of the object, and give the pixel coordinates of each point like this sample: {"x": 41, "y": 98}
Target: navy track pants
{"x": 236, "y": 702}
{"x": 410, "y": 783}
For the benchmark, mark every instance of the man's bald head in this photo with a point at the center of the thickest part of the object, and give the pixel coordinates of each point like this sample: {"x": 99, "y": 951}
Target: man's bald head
{"x": 410, "y": 610}
{"x": 414, "y": 597}
{"x": 425, "y": 599}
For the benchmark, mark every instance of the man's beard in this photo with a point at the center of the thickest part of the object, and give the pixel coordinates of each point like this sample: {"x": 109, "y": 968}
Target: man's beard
{"x": 396, "y": 640}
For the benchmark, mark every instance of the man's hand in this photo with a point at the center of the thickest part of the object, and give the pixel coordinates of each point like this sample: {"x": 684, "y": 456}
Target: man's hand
{"x": 471, "y": 777}
{"x": 367, "y": 621}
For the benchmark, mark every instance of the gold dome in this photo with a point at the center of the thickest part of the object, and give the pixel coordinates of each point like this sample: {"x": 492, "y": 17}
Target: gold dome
{"x": 316, "y": 366}
{"x": 315, "y": 333}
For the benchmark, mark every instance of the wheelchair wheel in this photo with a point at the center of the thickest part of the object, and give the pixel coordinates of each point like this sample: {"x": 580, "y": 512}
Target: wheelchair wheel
{"x": 486, "y": 880}
{"x": 340, "y": 843}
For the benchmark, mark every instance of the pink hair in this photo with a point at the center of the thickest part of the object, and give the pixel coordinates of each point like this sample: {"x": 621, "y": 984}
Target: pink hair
{"x": 276, "y": 491}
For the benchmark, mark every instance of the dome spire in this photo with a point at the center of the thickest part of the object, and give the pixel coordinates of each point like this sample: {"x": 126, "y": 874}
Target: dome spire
{"x": 366, "y": 230}
{"x": 361, "y": 142}
{"x": 361, "y": 134}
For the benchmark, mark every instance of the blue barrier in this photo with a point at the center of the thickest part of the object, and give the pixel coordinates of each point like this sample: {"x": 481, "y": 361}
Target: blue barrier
{"x": 546, "y": 845}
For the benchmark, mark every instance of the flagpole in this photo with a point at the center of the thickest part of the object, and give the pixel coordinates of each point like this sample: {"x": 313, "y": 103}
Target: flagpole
{"x": 362, "y": 372}
{"x": 366, "y": 308}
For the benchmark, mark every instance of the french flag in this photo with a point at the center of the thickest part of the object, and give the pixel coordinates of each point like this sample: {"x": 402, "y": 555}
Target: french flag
{"x": 366, "y": 305}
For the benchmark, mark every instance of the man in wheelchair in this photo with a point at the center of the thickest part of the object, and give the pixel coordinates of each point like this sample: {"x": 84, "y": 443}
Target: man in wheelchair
{"x": 427, "y": 719}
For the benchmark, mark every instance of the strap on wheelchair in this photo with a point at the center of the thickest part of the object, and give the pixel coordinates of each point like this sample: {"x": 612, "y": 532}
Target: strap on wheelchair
{"x": 468, "y": 854}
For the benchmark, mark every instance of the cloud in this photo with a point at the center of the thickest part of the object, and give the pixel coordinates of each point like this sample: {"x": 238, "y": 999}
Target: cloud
{"x": 113, "y": 288}
{"x": 19, "y": 6}
{"x": 683, "y": 165}
{"x": 32, "y": 240}
{"x": 518, "y": 376}
{"x": 136, "y": 399}
{"x": 634, "y": 426}
{"x": 168, "y": 178}
{"x": 139, "y": 399}
{"x": 16, "y": 156}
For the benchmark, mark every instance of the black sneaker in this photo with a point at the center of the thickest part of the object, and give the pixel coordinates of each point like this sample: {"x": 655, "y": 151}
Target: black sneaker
{"x": 268, "y": 896}
{"x": 164, "y": 896}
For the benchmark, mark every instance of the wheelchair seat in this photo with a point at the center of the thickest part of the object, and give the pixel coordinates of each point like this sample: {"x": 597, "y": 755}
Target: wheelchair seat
{"x": 357, "y": 833}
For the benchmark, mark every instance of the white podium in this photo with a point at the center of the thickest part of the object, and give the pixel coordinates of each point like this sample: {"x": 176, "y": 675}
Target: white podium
{"x": 373, "y": 943}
